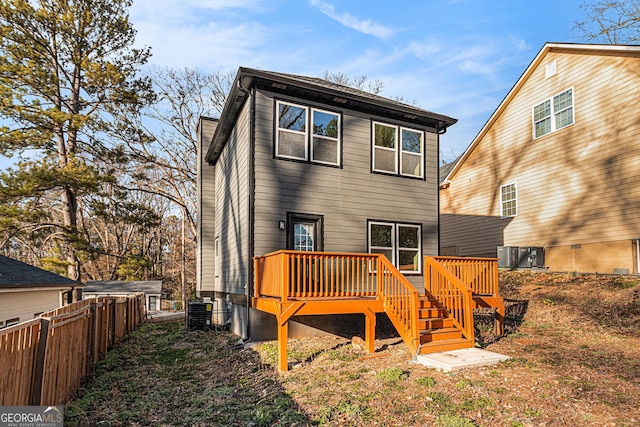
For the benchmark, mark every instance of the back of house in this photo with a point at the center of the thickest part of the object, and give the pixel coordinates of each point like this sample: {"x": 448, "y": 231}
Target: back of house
{"x": 555, "y": 169}
{"x": 304, "y": 164}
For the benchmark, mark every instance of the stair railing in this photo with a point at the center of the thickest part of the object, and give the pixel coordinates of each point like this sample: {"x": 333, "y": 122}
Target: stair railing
{"x": 452, "y": 293}
{"x": 400, "y": 301}
{"x": 479, "y": 274}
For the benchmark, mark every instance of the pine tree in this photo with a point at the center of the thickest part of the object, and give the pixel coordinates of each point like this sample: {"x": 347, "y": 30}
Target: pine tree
{"x": 68, "y": 85}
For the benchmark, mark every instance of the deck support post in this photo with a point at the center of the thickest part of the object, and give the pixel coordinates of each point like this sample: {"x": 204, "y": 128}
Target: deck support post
{"x": 283, "y": 335}
{"x": 370, "y": 329}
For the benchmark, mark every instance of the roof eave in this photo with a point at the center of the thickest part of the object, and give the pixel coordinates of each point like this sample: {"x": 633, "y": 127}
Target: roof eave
{"x": 247, "y": 77}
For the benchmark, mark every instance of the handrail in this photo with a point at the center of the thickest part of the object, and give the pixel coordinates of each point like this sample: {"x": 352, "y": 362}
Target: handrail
{"x": 400, "y": 300}
{"x": 479, "y": 274}
{"x": 452, "y": 293}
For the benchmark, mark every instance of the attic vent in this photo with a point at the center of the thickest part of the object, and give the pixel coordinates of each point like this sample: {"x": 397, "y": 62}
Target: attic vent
{"x": 278, "y": 85}
{"x": 551, "y": 69}
{"x": 409, "y": 116}
{"x": 339, "y": 100}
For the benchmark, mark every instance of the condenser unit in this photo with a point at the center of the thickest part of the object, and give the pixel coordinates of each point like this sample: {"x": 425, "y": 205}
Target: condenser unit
{"x": 199, "y": 315}
{"x": 508, "y": 257}
{"x": 530, "y": 257}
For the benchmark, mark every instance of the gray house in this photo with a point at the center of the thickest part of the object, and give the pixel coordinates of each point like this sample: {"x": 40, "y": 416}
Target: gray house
{"x": 305, "y": 164}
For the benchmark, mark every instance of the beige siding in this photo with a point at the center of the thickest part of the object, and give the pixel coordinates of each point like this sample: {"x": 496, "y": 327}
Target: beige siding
{"x": 577, "y": 185}
{"x": 205, "y": 264}
{"x": 25, "y": 304}
{"x": 232, "y": 208}
{"x": 346, "y": 197}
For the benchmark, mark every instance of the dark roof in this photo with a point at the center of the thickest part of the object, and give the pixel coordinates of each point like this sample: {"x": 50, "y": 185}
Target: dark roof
{"x": 16, "y": 274}
{"x": 319, "y": 90}
{"x": 120, "y": 287}
{"x": 446, "y": 168}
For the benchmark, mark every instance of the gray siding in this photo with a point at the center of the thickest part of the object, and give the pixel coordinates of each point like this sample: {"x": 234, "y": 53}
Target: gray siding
{"x": 232, "y": 208}
{"x": 347, "y": 197}
{"x": 206, "y": 230}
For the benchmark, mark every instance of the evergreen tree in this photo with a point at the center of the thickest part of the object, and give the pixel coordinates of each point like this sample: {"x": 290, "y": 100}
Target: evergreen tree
{"x": 68, "y": 84}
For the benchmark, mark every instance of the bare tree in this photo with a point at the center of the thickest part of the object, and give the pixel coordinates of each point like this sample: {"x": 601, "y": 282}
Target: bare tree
{"x": 170, "y": 154}
{"x": 611, "y": 22}
{"x": 357, "y": 82}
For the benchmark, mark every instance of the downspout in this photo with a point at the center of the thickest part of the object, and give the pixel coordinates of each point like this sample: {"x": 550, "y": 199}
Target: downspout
{"x": 438, "y": 195}
{"x": 251, "y": 201}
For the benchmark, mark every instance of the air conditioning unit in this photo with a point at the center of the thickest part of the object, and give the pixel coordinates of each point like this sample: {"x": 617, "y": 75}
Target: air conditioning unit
{"x": 199, "y": 315}
{"x": 530, "y": 257}
{"x": 508, "y": 257}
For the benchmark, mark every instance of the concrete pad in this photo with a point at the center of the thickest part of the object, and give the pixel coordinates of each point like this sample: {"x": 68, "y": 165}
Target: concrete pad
{"x": 460, "y": 359}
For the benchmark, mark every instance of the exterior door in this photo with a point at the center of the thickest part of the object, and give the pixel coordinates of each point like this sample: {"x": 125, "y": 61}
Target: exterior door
{"x": 304, "y": 232}
{"x": 153, "y": 306}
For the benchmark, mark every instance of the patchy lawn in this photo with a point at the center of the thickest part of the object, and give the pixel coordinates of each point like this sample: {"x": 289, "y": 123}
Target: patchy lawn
{"x": 574, "y": 341}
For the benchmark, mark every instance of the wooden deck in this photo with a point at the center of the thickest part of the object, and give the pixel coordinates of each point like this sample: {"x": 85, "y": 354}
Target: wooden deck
{"x": 291, "y": 283}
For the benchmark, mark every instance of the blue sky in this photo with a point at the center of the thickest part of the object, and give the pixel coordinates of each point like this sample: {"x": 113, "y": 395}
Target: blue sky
{"x": 454, "y": 57}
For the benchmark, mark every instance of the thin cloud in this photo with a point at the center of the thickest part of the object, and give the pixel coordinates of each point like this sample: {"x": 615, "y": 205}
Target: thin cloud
{"x": 366, "y": 27}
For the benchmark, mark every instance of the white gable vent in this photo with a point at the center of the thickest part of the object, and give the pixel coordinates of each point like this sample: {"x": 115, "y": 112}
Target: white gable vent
{"x": 551, "y": 69}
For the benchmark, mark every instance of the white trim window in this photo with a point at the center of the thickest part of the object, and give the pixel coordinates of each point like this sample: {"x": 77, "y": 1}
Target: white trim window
{"x": 400, "y": 243}
{"x": 508, "y": 200}
{"x": 397, "y": 148}
{"x": 553, "y": 114}
{"x": 293, "y": 140}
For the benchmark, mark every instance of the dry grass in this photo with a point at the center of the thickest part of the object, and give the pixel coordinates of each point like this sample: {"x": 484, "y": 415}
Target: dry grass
{"x": 575, "y": 362}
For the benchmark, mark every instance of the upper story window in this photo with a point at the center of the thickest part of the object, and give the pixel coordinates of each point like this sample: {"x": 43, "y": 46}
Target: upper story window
{"x": 396, "y": 149}
{"x": 400, "y": 243}
{"x": 553, "y": 114}
{"x": 508, "y": 200}
{"x": 308, "y": 134}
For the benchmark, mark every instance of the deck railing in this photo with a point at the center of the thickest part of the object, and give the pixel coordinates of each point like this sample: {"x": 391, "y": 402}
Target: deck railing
{"x": 479, "y": 274}
{"x": 457, "y": 297}
{"x": 294, "y": 275}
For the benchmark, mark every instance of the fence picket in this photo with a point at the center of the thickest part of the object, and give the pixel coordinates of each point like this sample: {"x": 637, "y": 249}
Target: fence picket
{"x": 44, "y": 361}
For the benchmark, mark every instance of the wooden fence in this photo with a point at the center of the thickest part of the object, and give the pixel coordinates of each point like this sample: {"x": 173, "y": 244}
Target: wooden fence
{"x": 44, "y": 361}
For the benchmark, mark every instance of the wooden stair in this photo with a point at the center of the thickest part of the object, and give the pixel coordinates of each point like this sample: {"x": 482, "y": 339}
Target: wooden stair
{"x": 436, "y": 328}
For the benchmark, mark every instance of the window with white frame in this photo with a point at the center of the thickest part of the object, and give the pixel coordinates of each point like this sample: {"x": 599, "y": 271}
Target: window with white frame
{"x": 400, "y": 243}
{"x": 396, "y": 149}
{"x": 508, "y": 200}
{"x": 553, "y": 114}
{"x": 307, "y": 134}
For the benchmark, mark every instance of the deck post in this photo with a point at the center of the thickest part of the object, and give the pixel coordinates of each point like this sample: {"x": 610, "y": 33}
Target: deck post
{"x": 283, "y": 334}
{"x": 370, "y": 329}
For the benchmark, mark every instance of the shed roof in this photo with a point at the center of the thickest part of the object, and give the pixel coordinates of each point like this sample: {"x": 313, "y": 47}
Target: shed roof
{"x": 121, "y": 287}
{"x": 573, "y": 48}
{"x": 324, "y": 91}
{"x": 19, "y": 275}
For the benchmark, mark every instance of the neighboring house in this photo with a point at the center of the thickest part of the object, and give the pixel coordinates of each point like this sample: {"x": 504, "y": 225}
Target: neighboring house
{"x": 27, "y": 291}
{"x": 556, "y": 166}
{"x": 152, "y": 290}
{"x": 305, "y": 164}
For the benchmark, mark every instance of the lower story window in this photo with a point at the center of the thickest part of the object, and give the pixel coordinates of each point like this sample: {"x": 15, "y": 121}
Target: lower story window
{"x": 399, "y": 242}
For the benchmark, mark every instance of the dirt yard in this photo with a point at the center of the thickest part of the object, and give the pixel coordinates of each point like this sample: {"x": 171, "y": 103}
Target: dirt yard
{"x": 574, "y": 342}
